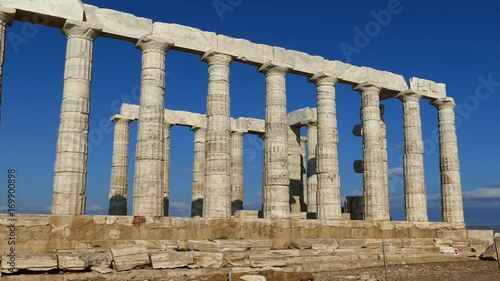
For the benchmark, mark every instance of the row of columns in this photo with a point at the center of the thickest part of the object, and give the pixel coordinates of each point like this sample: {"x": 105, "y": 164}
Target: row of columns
{"x": 152, "y": 163}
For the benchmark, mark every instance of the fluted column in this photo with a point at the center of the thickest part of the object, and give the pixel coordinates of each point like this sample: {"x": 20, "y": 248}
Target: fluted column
{"x": 373, "y": 178}
{"x": 217, "y": 202}
{"x": 166, "y": 168}
{"x": 72, "y": 143}
{"x": 277, "y": 177}
{"x": 198, "y": 172}
{"x": 303, "y": 174}
{"x": 385, "y": 165}
{"x": 236, "y": 171}
{"x": 328, "y": 199}
{"x": 6, "y": 18}
{"x": 119, "y": 168}
{"x": 294, "y": 169}
{"x": 312, "y": 179}
{"x": 149, "y": 166}
{"x": 451, "y": 187}
{"x": 413, "y": 158}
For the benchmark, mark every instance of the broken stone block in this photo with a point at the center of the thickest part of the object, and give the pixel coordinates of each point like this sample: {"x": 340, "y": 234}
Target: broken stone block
{"x": 491, "y": 252}
{"x": 208, "y": 260}
{"x": 219, "y": 245}
{"x": 99, "y": 259}
{"x": 72, "y": 262}
{"x": 41, "y": 262}
{"x": 267, "y": 260}
{"x": 236, "y": 259}
{"x": 171, "y": 259}
{"x": 126, "y": 257}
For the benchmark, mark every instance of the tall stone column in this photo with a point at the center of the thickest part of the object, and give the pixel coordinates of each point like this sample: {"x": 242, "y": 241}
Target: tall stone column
{"x": 385, "y": 164}
{"x": 217, "y": 202}
{"x": 119, "y": 168}
{"x": 373, "y": 176}
{"x": 326, "y": 152}
{"x": 198, "y": 172}
{"x": 72, "y": 141}
{"x": 312, "y": 179}
{"x": 149, "y": 166}
{"x": 166, "y": 168}
{"x": 303, "y": 174}
{"x": 294, "y": 169}
{"x": 451, "y": 187}
{"x": 6, "y": 18}
{"x": 236, "y": 171}
{"x": 277, "y": 177}
{"x": 413, "y": 158}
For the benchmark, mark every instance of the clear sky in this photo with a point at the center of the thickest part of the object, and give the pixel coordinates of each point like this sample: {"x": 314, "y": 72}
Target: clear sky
{"x": 456, "y": 43}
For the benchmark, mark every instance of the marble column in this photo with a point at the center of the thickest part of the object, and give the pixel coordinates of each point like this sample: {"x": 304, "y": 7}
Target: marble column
{"x": 451, "y": 187}
{"x": 236, "y": 171}
{"x": 413, "y": 158}
{"x": 6, "y": 19}
{"x": 72, "y": 142}
{"x": 303, "y": 174}
{"x": 294, "y": 169}
{"x": 328, "y": 199}
{"x": 119, "y": 168}
{"x": 385, "y": 165}
{"x": 373, "y": 170}
{"x": 198, "y": 172}
{"x": 149, "y": 166}
{"x": 166, "y": 168}
{"x": 217, "y": 202}
{"x": 277, "y": 177}
{"x": 312, "y": 179}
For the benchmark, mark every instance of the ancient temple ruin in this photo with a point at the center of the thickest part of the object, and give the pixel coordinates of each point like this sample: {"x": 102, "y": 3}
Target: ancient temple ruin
{"x": 217, "y": 188}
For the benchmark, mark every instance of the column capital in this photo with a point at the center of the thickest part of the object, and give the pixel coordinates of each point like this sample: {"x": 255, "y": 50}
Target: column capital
{"x": 409, "y": 96}
{"x": 215, "y": 57}
{"x": 149, "y": 43}
{"x": 117, "y": 118}
{"x": 443, "y": 103}
{"x": 7, "y": 15}
{"x": 366, "y": 87}
{"x": 275, "y": 67}
{"x": 80, "y": 29}
{"x": 322, "y": 78}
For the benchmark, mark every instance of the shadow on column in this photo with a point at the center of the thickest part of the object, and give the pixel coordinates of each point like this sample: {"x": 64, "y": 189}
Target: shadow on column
{"x": 117, "y": 206}
{"x": 236, "y": 205}
{"x": 303, "y": 203}
{"x": 197, "y": 208}
{"x": 311, "y": 172}
{"x": 166, "y": 203}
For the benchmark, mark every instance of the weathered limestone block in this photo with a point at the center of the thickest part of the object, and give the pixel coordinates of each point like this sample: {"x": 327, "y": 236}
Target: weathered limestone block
{"x": 255, "y": 125}
{"x": 483, "y": 235}
{"x": 253, "y": 278}
{"x": 72, "y": 262}
{"x": 186, "y": 38}
{"x": 246, "y": 51}
{"x": 261, "y": 244}
{"x": 428, "y": 88}
{"x": 63, "y": 9}
{"x": 117, "y": 24}
{"x": 491, "y": 252}
{"x": 302, "y": 63}
{"x": 247, "y": 214}
{"x": 208, "y": 260}
{"x": 317, "y": 244}
{"x": 41, "y": 262}
{"x": 126, "y": 257}
{"x": 267, "y": 260}
{"x": 300, "y": 116}
{"x": 158, "y": 244}
{"x": 171, "y": 259}
{"x": 99, "y": 261}
{"x": 237, "y": 259}
{"x": 219, "y": 245}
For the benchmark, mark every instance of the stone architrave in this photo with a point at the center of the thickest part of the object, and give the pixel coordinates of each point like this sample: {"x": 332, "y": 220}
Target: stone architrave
{"x": 451, "y": 187}
{"x": 276, "y": 175}
{"x": 236, "y": 171}
{"x": 72, "y": 142}
{"x": 413, "y": 158}
{"x": 166, "y": 168}
{"x": 119, "y": 169}
{"x": 149, "y": 166}
{"x": 217, "y": 198}
{"x": 312, "y": 179}
{"x": 6, "y": 18}
{"x": 198, "y": 172}
{"x": 326, "y": 152}
{"x": 373, "y": 170}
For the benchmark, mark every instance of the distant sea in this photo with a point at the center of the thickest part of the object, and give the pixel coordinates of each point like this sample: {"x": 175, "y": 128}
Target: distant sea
{"x": 495, "y": 228}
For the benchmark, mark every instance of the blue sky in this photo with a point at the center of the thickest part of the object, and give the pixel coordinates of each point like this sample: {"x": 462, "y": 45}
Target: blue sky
{"x": 454, "y": 44}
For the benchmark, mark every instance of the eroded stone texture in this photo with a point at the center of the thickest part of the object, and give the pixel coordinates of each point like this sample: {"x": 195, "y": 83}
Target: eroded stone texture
{"x": 198, "y": 172}
{"x": 72, "y": 142}
{"x": 149, "y": 166}
{"x": 373, "y": 178}
{"x": 385, "y": 165}
{"x": 276, "y": 175}
{"x": 119, "y": 168}
{"x": 166, "y": 168}
{"x": 326, "y": 151}
{"x": 171, "y": 259}
{"x": 63, "y": 9}
{"x": 312, "y": 179}
{"x": 413, "y": 158}
{"x": 6, "y": 18}
{"x": 451, "y": 187}
{"x": 236, "y": 171}
{"x": 126, "y": 257}
{"x": 217, "y": 199}
{"x": 42, "y": 262}
{"x": 294, "y": 168}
